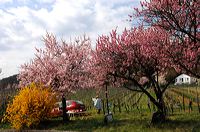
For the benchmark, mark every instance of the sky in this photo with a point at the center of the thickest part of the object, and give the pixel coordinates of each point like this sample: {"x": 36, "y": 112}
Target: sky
{"x": 23, "y": 23}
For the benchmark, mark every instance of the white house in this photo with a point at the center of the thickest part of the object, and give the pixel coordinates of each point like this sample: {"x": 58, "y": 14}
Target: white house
{"x": 184, "y": 79}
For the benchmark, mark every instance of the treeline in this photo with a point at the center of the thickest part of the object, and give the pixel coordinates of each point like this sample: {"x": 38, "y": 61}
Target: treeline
{"x": 9, "y": 82}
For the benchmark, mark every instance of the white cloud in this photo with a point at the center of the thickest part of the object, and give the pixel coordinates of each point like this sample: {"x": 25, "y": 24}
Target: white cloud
{"x": 22, "y": 27}
{"x": 5, "y": 1}
{"x": 45, "y": 1}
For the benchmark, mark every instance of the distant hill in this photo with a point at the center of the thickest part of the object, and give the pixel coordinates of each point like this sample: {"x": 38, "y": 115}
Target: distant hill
{"x": 9, "y": 82}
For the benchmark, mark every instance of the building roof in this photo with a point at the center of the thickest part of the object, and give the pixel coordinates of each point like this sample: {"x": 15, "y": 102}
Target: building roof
{"x": 183, "y": 75}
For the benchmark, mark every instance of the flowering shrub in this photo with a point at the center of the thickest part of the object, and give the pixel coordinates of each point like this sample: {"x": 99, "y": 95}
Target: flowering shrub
{"x": 32, "y": 105}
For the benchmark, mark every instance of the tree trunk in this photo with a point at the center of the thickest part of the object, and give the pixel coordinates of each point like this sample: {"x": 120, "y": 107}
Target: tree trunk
{"x": 65, "y": 115}
{"x": 160, "y": 115}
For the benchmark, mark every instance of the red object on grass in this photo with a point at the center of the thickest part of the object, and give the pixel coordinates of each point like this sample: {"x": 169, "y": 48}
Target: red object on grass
{"x": 72, "y": 106}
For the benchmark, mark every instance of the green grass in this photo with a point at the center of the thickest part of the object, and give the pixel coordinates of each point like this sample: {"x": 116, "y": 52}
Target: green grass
{"x": 126, "y": 121}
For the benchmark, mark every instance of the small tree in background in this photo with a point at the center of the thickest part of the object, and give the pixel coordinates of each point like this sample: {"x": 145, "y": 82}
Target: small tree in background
{"x": 32, "y": 105}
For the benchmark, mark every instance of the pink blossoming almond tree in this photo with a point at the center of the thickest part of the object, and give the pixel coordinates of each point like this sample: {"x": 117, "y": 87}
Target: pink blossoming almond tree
{"x": 135, "y": 56}
{"x": 181, "y": 19}
{"x": 62, "y": 65}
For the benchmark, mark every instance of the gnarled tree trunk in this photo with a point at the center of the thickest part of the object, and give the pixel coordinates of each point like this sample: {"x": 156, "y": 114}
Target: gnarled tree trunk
{"x": 160, "y": 115}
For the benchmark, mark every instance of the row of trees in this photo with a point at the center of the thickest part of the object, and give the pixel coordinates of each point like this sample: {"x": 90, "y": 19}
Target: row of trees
{"x": 9, "y": 82}
{"x": 134, "y": 59}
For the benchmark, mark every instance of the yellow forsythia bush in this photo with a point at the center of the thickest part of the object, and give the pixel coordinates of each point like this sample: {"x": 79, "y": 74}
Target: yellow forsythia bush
{"x": 32, "y": 105}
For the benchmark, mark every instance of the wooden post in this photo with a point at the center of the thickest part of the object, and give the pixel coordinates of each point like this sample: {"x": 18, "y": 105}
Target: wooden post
{"x": 103, "y": 106}
{"x": 119, "y": 106}
{"x": 126, "y": 108}
{"x": 114, "y": 105}
{"x": 183, "y": 103}
{"x": 198, "y": 100}
{"x": 107, "y": 98}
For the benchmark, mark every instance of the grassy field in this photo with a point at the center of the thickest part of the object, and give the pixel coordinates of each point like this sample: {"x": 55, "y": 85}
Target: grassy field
{"x": 123, "y": 122}
{"x": 131, "y": 122}
{"x": 133, "y": 117}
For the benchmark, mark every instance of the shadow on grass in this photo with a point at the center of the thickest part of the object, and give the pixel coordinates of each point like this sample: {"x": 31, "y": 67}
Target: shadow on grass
{"x": 72, "y": 125}
{"x": 89, "y": 124}
{"x": 92, "y": 124}
{"x": 186, "y": 125}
